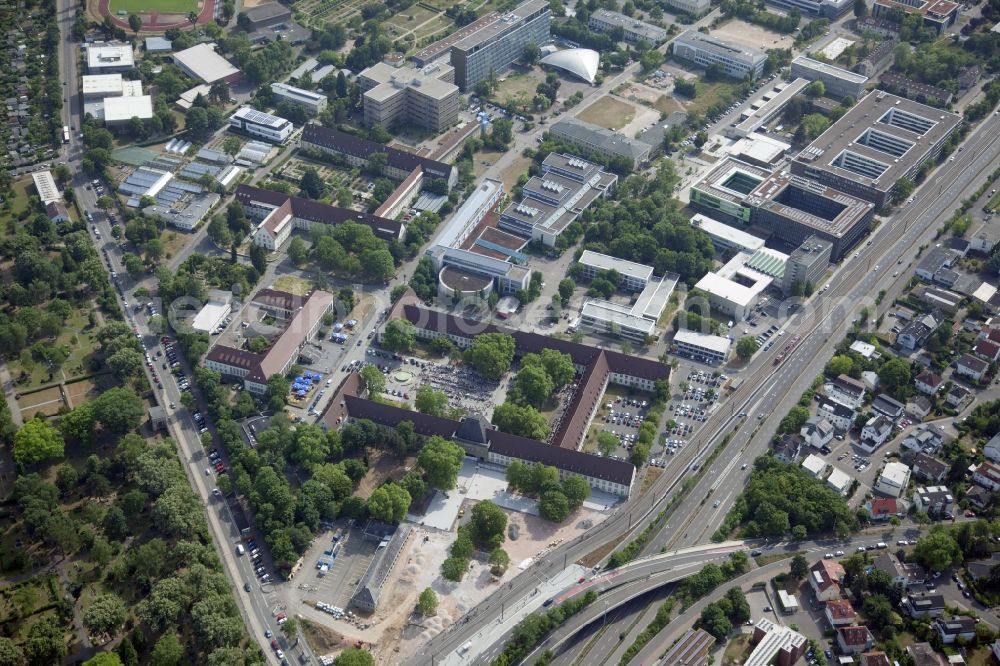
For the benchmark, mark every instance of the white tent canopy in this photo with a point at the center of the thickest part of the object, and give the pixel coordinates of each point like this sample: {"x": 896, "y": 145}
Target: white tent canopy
{"x": 582, "y": 63}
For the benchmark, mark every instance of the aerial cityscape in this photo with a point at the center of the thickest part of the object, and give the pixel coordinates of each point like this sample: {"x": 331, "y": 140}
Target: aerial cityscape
{"x": 498, "y": 332}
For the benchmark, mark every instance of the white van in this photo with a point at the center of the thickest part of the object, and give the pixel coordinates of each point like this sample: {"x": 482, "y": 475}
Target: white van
{"x": 239, "y": 549}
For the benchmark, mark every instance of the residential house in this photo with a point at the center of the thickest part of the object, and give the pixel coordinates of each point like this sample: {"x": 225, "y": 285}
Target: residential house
{"x": 918, "y": 407}
{"x": 912, "y": 335}
{"x": 987, "y": 350}
{"x": 841, "y": 416}
{"x": 893, "y": 480}
{"x": 924, "y": 655}
{"x": 992, "y": 449}
{"x": 928, "y": 382}
{"x": 901, "y": 573}
{"x": 883, "y": 508}
{"x": 847, "y": 391}
{"x": 825, "y": 578}
{"x": 958, "y": 396}
{"x": 877, "y": 658}
{"x": 888, "y": 406}
{"x": 990, "y": 332}
{"x": 817, "y": 432}
{"x": 979, "y": 497}
{"x": 926, "y": 438}
{"x": 942, "y": 299}
{"x": 985, "y": 240}
{"x": 929, "y": 468}
{"x": 971, "y": 367}
{"x": 775, "y": 644}
{"x": 839, "y": 613}
{"x": 868, "y": 351}
{"x": 57, "y": 212}
{"x": 983, "y": 569}
{"x": 854, "y": 640}
{"x": 934, "y": 261}
{"x": 950, "y": 630}
{"x": 987, "y": 475}
{"x": 815, "y": 465}
{"x": 787, "y": 450}
{"x": 876, "y": 432}
{"x": 926, "y": 605}
{"x": 933, "y": 500}
{"x": 870, "y": 380}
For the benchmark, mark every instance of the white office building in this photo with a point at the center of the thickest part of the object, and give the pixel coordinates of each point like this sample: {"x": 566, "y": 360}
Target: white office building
{"x": 725, "y": 236}
{"x": 737, "y": 61}
{"x": 634, "y": 276}
{"x": 633, "y": 30}
{"x": 312, "y": 101}
{"x": 894, "y": 479}
{"x": 202, "y": 63}
{"x": 712, "y": 349}
{"x": 262, "y": 125}
{"x": 109, "y": 58}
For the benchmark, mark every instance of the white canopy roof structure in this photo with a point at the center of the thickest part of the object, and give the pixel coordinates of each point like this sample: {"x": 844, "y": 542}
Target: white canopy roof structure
{"x": 579, "y": 62}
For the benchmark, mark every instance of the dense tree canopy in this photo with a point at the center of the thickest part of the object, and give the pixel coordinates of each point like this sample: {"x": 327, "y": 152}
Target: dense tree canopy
{"x": 441, "y": 460}
{"x": 491, "y": 354}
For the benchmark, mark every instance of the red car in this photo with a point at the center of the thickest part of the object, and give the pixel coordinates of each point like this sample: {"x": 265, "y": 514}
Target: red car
{"x": 274, "y": 644}
{"x": 970, "y": 514}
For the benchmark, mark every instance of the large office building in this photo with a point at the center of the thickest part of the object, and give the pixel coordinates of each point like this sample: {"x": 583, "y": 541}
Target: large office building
{"x": 202, "y": 63}
{"x": 807, "y": 264}
{"x": 109, "y": 58}
{"x": 712, "y": 349}
{"x": 737, "y": 61}
{"x": 356, "y": 151}
{"x": 633, "y": 30}
{"x": 937, "y": 14}
{"x": 255, "y": 369}
{"x": 838, "y": 82}
{"x": 794, "y": 209}
{"x": 498, "y": 42}
{"x": 278, "y": 214}
{"x": 554, "y": 199}
{"x": 310, "y": 100}
{"x": 880, "y": 140}
{"x": 261, "y": 125}
{"x": 830, "y": 9}
{"x": 735, "y": 289}
{"x": 637, "y": 320}
{"x": 691, "y": 7}
{"x": 635, "y": 276}
{"x": 396, "y": 94}
{"x": 115, "y": 100}
{"x": 767, "y": 107}
{"x": 723, "y": 191}
{"x": 600, "y": 140}
{"x": 726, "y": 236}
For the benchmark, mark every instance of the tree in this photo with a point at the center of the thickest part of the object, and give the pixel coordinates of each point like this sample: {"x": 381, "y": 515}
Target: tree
{"x": 700, "y": 139}
{"x": 312, "y": 184}
{"x": 499, "y": 561}
{"x": 576, "y": 490}
{"x": 10, "y": 653}
{"x": 534, "y": 386}
{"x": 531, "y": 54}
{"x": 841, "y": 364}
{"x": 816, "y": 89}
{"x": 297, "y": 251}
{"x": 714, "y": 621}
{"x": 566, "y": 288}
{"x": 389, "y": 503}
{"x": 168, "y": 651}
{"x": 135, "y": 22}
{"x": 491, "y": 354}
{"x": 45, "y": 643}
{"x": 488, "y": 523}
{"x": 902, "y": 190}
{"x": 553, "y": 506}
{"x": 119, "y": 410}
{"x": 938, "y": 550}
{"x": 399, "y": 335}
{"x": 454, "y": 568}
{"x": 441, "y": 460}
{"x": 104, "y": 615}
{"x": 746, "y": 347}
{"x": 231, "y": 145}
{"x": 607, "y": 443}
{"x": 894, "y": 374}
{"x": 799, "y": 567}
{"x": 374, "y": 380}
{"x": 115, "y": 525}
{"x": 428, "y": 602}
{"x": 429, "y": 401}
{"x": 37, "y": 441}
{"x": 258, "y": 258}
{"x": 517, "y": 420}
{"x": 860, "y": 8}
{"x": 354, "y": 657}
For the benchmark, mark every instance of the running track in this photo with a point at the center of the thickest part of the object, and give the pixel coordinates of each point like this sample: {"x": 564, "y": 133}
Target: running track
{"x": 155, "y": 22}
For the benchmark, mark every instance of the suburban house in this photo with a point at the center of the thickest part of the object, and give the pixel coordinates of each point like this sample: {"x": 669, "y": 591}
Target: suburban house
{"x": 969, "y": 366}
{"x": 950, "y": 630}
{"x": 902, "y": 573}
{"x": 918, "y": 407}
{"x": 987, "y": 475}
{"x": 877, "y": 658}
{"x": 927, "y": 605}
{"x": 979, "y": 497}
{"x": 926, "y": 438}
{"x": 854, "y": 640}
{"x": 915, "y": 332}
{"x": 839, "y": 613}
{"x": 787, "y": 450}
{"x": 841, "y": 416}
{"x": 928, "y": 382}
{"x": 846, "y": 391}
{"x": 924, "y": 655}
{"x": 888, "y": 406}
{"x": 929, "y": 468}
{"x": 992, "y": 449}
{"x": 825, "y": 578}
{"x": 987, "y": 350}
{"x": 883, "y": 508}
{"x": 876, "y": 432}
{"x": 933, "y": 500}
{"x": 958, "y": 396}
{"x": 893, "y": 480}
{"x": 817, "y": 432}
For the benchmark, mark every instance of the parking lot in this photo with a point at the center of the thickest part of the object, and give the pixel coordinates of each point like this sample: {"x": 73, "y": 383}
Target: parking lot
{"x": 337, "y": 585}
{"x": 622, "y": 417}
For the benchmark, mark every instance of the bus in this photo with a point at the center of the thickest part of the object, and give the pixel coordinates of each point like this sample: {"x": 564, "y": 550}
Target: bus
{"x": 65, "y": 133}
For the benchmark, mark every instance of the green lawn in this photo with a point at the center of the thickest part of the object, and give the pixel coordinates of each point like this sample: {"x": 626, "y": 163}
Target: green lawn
{"x": 148, "y": 6}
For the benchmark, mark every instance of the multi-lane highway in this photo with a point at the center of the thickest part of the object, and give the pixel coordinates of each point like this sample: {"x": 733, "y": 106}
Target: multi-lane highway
{"x": 764, "y": 391}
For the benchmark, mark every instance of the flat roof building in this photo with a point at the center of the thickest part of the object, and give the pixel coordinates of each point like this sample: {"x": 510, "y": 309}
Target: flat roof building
{"x": 635, "y": 276}
{"x": 312, "y": 101}
{"x": 262, "y": 125}
{"x": 267, "y": 14}
{"x": 724, "y": 189}
{"x": 472, "y": 211}
{"x": 395, "y": 94}
{"x": 103, "y": 58}
{"x": 737, "y": 61}
{"x": 636, "y": 321}
{"x": 736, "y": 287}
{"x": 633, "y": 30}
{"x": 795, "y": 208}
{"x": 45, "y": 185}
{"x": 713, "y": 349}
{"x": 880, "y": 140}
{"x": 159, "y": 45}
{"x": 725, "y": 236}
{"x": 937, "y": 14}
{"x": 830, "y": 9}
{"x": 202, "y": 63}
{"x": 441, "y": 49}
{"x": 601, "y": 141}
{"x": 498, "y": 42}
{"x": 759, "y": 149}
{"x": 807, "y": 264}
{"x": 775, "y": 644}
{"x": 691, "y": 7}
{"x": 838, "y": 82}
{"x": 121, "y": 110}
{"x": 211, "y": 315}
{"x": 99, "y": 86}
{"x": 768, "y": 107}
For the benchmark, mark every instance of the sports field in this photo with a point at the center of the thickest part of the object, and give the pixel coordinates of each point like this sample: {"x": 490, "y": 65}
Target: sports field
{"x": 159, "y": 6}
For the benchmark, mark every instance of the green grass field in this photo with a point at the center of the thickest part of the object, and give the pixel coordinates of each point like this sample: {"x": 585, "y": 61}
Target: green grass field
{"x": 148, "y": 6}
